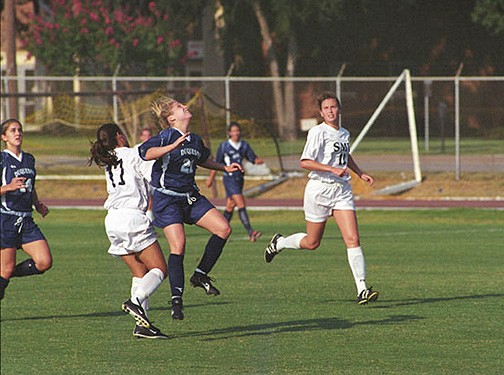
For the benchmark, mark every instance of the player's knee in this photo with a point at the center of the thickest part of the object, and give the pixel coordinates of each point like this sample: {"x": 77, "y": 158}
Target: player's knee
{"x": 7, "y": 270}
{"x": 225, "y": 232}
{"x": 44, "y": 264}
{"x": 311, "y": 245}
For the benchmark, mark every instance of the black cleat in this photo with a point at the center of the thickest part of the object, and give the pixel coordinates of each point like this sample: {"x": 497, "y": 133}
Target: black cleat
{"x": 367, "y": 295}
{"x": 177, "y": 309}
{"x": 137, "y": 312}
{"x": 271, "y": 250}
{"x": 204, "y": 281}
{"x": 148, "y": 333}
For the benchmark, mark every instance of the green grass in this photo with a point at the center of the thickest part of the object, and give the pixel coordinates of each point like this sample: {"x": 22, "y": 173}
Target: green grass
{"x": 440, "y": 310}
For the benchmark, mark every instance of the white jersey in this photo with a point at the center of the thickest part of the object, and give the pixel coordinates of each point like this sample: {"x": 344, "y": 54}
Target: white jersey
{"x": 328, "y": 146}
{"x": 128, "y": 182}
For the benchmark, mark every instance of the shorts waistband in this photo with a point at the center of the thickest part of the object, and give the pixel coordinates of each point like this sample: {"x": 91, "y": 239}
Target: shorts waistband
{"x": 15, "y": 213}
{"x": 132, "y": 210}
{"x": 188, "y": 196}
{"x": 329, "y": 183}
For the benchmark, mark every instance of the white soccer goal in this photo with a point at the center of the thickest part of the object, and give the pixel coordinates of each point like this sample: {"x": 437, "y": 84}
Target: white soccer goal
{"x": 394, "y": 189}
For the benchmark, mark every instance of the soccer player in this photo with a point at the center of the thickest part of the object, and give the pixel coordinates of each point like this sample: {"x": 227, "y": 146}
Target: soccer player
{"x": 235, "y": 150}
{"x": 131, "y": 235}
{"x": 18, "y": 230}
{"x": 328, "y": 193}
{"x": 176, "y": 198}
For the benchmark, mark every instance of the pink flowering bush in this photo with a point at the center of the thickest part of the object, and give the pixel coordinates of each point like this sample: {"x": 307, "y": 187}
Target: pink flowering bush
{"x": 96, "y": 36}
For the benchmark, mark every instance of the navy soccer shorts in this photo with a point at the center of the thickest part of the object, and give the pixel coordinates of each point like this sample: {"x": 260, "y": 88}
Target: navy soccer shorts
{"x": 233, "y": 185}
{"x": 17, "y": 231}
{"x": 170, "y": 210}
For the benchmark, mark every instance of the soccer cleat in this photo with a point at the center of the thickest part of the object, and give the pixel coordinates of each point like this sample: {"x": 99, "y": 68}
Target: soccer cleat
{"x": 271, "y": 250}
{"x": 148, "y": 333}
{"x": 203, "y": 281}
{"x": 137, "y": 312}
{"x": 177, "y": 310}
{"x": 367, "y": 295}
{"x": 254, "y": 236}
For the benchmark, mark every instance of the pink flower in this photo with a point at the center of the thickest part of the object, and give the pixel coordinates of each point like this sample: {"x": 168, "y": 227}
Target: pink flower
{"x": 109, "y": 31}
{"x": 159, "y": 40}
{"x": 135, "y": 42}
{"x": 94, "y": 17}
{"x": 152, "y": 6}
{"x": 84, "y": 30}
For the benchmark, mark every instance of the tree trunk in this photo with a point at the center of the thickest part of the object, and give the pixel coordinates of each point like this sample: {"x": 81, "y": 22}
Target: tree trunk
{"x": 270, "y": 56}
{"x": 10, "y": 55}
{"x": 289, "y": 127}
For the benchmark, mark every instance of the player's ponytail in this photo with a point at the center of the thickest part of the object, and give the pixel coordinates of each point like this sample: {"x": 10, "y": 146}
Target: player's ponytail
{"x": 102, "y": 150}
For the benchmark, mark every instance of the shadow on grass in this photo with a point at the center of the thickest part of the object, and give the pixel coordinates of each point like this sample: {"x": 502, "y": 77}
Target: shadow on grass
{"x": 387, "y": 304}
{"x": 292, "y": 326}
{"x": 104, "y": 314}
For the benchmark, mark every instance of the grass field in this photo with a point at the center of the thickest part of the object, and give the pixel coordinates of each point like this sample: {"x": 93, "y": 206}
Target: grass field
{"x": 440, "y": 311}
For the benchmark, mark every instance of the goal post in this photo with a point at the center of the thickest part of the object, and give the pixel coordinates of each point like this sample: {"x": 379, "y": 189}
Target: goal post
{"x": 394, "y": 189}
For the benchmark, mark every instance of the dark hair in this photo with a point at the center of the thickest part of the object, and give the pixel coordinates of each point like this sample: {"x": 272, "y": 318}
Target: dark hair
{"x": 102, "y": 150}
{"x": 233, "y": 124}
{"x": 6, "y": 124}
{"x": 327, "y": 95}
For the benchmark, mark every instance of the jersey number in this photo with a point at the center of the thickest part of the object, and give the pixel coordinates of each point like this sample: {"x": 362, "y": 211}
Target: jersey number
{"x": 187, "y": 166}
{"x": 121, "y": 174}
{"x": 343, "y": 159}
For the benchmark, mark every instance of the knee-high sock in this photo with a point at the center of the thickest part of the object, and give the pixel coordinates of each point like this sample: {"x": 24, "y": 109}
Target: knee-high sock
{"x": 213, "y": 250}
{"x": 176, "y": 274}
{"x": 228, "y": 215}
{"x": 3, "y": 285}
{"x": 135, "y": 281}
{"x": 147, "y": 285}
{"x": 291, "y": 242}
{"x": 358, "y": 267}
{"x": 242, "y": 213}
{"x": 26, "y": 268}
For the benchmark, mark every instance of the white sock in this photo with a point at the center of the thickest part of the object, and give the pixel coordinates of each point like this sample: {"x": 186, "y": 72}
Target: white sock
{"x": 358, "y": 267}
{"x": 291, "y": 242}
{"x": 147, "y": 285}
{"x": 134, "y": 285}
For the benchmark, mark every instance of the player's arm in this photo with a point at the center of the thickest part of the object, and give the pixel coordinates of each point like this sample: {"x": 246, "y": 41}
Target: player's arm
{"x": 313, "y": 165}
{"x": 354, "y": 167}
{"x": 15, "y": 184}
{"x": 211, "y": 178}
{"x": 157, "y": 152}
{"x": 212, "y": 164}
{"x": 39, "y": 205}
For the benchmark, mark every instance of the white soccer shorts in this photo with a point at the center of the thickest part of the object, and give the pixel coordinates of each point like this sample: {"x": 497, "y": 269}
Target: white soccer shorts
{"x": 321, "y": 198}
{"x": 129, "y": 231}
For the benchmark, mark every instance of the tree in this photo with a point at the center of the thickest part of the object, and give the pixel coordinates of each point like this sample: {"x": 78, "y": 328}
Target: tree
{"x": 10, "y": 54}
{"x": 282, "y": 27}
{"x": 95, "y": 36}
{"x": 490, "y": 14}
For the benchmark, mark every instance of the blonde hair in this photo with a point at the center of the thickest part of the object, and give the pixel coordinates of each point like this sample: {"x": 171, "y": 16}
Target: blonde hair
{"x": 162, "y": 108}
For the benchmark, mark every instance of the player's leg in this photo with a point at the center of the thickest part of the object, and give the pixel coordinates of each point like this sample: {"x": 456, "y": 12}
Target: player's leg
{"x": 7, "y": 263}
{"x": 230, "y": 205}
{"x": 40, "y": 259}
{"x": 347, "y": 223}
{"x": 239, "y": 199}
{"x": 215, "y": 223}
{"x": 175, "y": 234}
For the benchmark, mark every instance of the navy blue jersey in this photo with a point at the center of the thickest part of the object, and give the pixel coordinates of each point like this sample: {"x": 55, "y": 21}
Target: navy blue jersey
{"x": 176, "y": 170}
{"x": 228, "y": 153}
{"x": 13, "y": 166}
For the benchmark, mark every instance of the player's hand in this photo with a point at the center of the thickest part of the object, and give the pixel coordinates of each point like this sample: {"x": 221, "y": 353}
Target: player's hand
{"x": 209, "y": 182}
{"x": 233, "y": 167}
{"x": 368, "y": 178}
{"x": 340, "y": 172}
{"x": 16, "y": 184}
{"x": 180, "y": 140}
{"x": 41, "y": 208}
{"x": 259, "y": 161}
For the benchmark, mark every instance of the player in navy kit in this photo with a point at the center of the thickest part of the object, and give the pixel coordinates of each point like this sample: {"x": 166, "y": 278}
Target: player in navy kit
{"x": 176, "y": 198}
{"x": 235, "y": 150}
{"x": 131, "y": 235}
{"x": 18, "y": 230}
{"x": 328, "y": 193}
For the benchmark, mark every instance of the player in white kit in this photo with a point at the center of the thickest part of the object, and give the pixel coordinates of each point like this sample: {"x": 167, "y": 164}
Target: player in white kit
{"x": 128, "y": 228}
{"x": 328, "y": 193}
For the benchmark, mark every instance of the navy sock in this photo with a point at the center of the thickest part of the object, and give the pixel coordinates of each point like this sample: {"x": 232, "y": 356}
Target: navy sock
{"x": 176, "y": 274}
{"x": 242, "y": 212}
{"x": 3, "y": 285}
{"x": 213, "y": 250}
{"x": 26, "y": 268}
{"x": 228, "y": 215}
